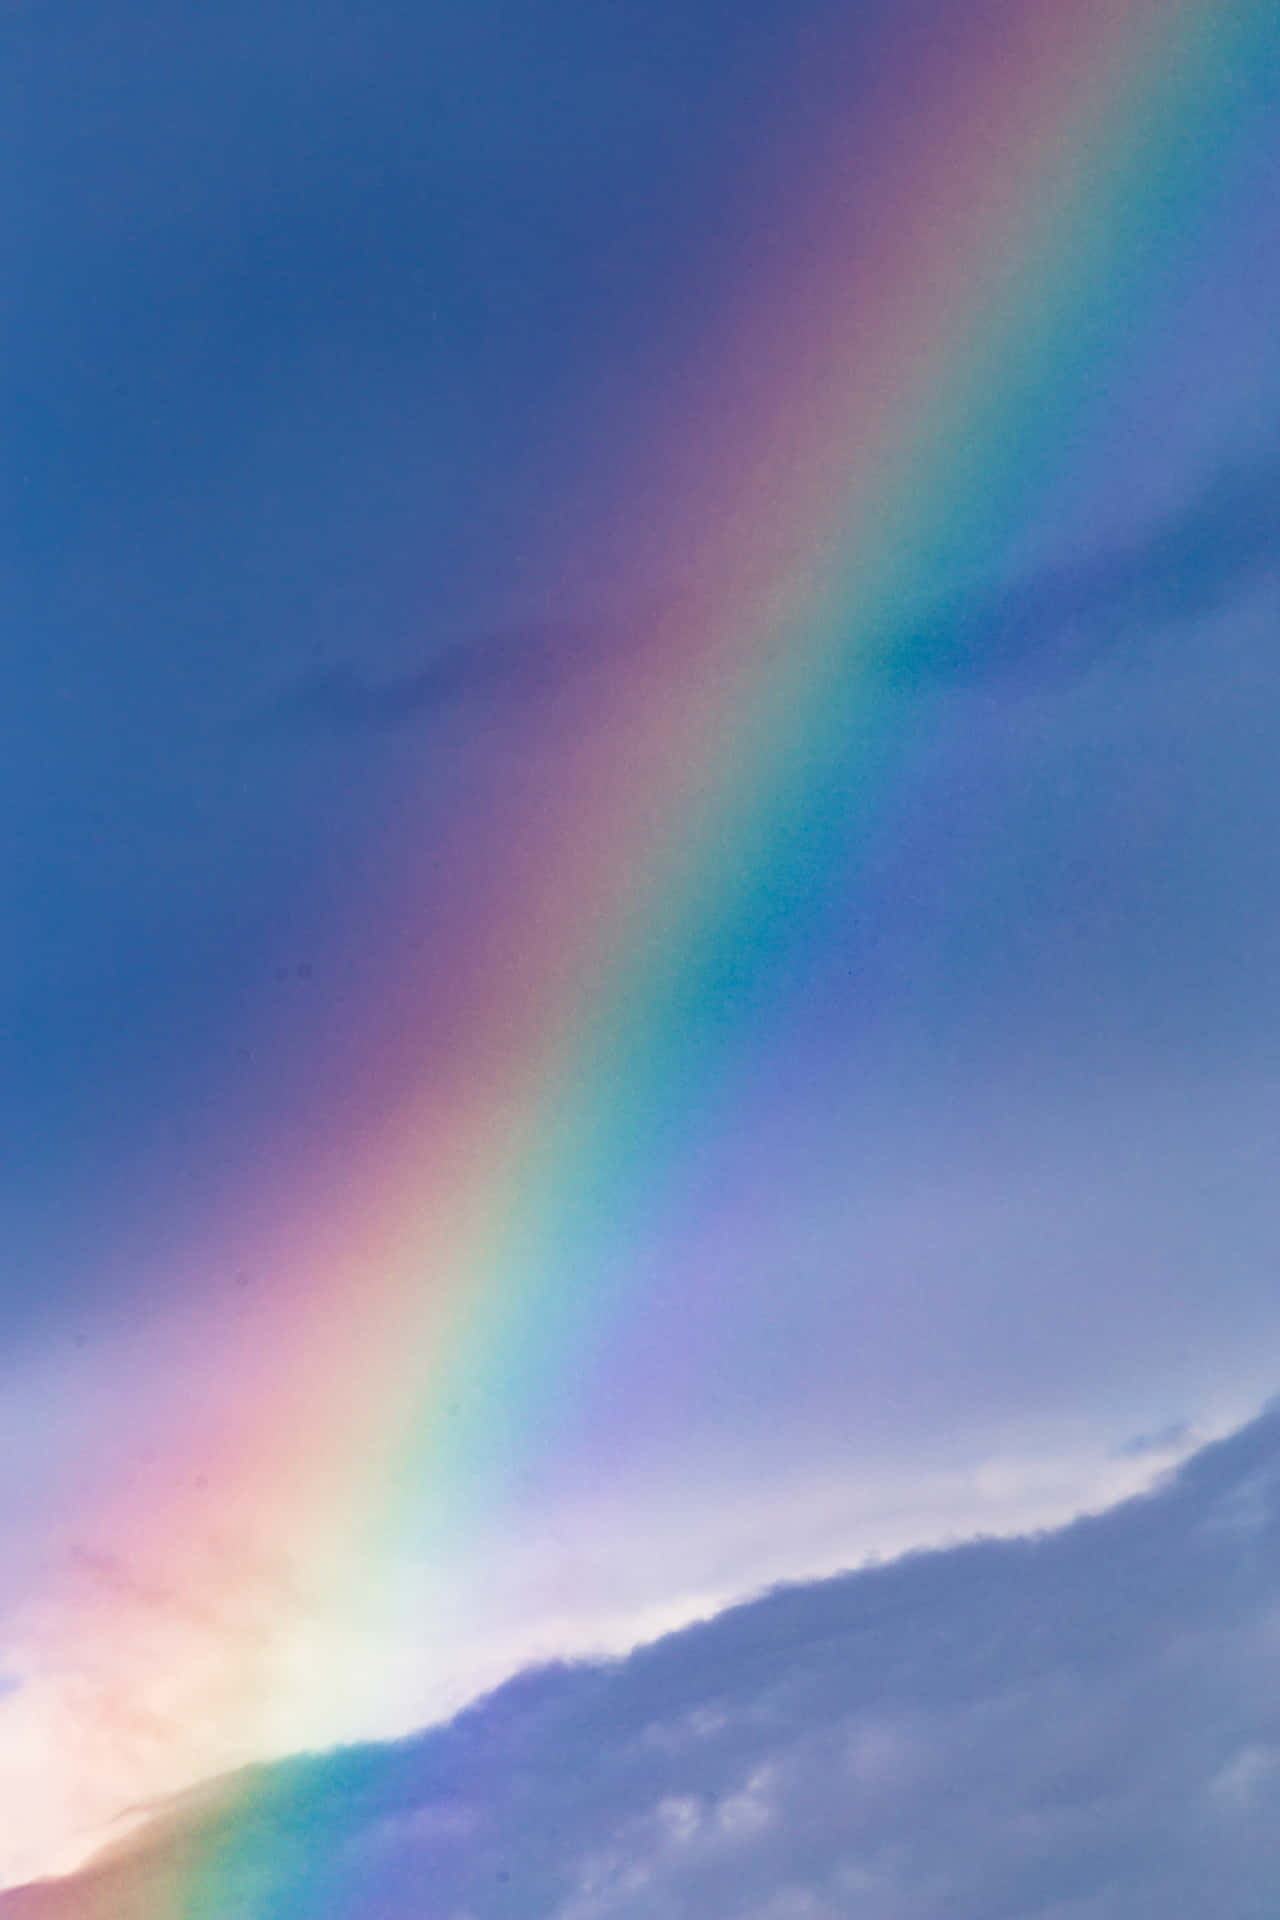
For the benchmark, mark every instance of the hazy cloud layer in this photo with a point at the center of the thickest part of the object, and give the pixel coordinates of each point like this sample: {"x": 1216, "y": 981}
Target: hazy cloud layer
{"x": 1084, "y": 1726}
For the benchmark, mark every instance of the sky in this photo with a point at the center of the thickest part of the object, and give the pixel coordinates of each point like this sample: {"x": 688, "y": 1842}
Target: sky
{"x": 636, "y": 776}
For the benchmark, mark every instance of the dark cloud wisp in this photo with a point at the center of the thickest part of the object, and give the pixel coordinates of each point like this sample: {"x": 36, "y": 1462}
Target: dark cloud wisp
{"x": 1054, "y": 627}
{"x": 340, "y": 700}
{"x": 1042, "y": 631}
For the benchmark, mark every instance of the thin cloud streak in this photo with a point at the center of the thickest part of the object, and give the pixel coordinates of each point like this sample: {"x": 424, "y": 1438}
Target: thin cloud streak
{"x": 1056, "y": 627}
{"x": 1044, "y": 631}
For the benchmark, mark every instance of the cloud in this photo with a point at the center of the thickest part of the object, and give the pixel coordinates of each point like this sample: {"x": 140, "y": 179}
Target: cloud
{"x": 341, "y": 700}
{"x": 1056, "y": 626}
{"x": 1079, "y": 1726}
{"x": 1165, "y": 1440}
{"x": 1041, "y": 631}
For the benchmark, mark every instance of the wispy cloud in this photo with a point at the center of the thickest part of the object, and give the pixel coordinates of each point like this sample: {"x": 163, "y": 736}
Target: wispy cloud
{"x": 1222, "y": 543}
{"x": 1045, "y": 629}
{"x": 519, "y": 663}
{"x": 1079, "y": 1725}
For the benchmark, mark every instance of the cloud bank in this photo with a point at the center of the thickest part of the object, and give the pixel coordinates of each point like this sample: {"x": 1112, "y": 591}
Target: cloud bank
{"x": 1079, "y": 1726}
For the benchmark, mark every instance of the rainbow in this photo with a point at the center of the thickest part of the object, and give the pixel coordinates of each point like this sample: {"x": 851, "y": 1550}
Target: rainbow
{"x": 928, "y": 313}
